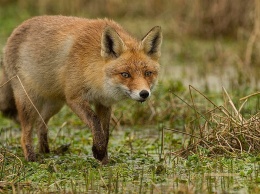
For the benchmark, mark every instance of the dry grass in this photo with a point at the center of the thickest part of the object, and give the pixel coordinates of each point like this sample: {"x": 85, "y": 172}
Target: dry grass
{"x": 222, "y": 17}
{"x": 13, "y": 171}
{"x": 224, "y": 129}
{"x": 205, "y": 18}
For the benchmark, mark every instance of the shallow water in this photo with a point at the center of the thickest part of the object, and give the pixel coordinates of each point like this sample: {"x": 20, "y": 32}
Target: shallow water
{"x": 212, "y": 78}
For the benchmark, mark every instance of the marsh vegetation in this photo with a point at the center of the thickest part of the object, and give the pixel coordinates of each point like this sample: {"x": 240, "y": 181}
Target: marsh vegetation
{"x": 199, "y": 132}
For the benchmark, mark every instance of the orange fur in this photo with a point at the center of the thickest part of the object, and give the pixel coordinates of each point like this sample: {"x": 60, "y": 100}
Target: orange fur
{"x": 78, "y": 62}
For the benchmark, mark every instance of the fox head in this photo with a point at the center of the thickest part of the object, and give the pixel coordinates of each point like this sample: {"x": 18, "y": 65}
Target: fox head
{"x": 131, "y": 71}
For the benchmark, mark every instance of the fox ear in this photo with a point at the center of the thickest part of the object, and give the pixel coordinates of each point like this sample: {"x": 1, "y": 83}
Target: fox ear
{"x": 111, "y": 43}
{"x": 151, "y": 43}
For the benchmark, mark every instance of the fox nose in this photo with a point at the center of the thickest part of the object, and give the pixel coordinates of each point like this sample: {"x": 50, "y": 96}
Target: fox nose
{"x": 144, "y": 94}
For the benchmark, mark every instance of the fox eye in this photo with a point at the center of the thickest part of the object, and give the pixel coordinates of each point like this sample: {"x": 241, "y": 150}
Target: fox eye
{"x": 148, "y": 73}
{"x": 126, "y": 75}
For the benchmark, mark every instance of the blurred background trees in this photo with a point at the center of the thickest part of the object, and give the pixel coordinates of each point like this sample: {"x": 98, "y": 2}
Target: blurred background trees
{"x": 204, "y": 18}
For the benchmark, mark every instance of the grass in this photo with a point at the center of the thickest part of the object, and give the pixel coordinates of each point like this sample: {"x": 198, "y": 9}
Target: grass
{"x": 143, "y": 159}
{"x": 224, "y": 129}
{"x": 183, "y": 140}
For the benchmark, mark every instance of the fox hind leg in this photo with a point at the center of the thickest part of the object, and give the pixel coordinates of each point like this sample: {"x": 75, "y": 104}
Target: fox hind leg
{"x": 49, "y": 108}
{"x": 29, "y": 117}
{"x": 26, "y": 119}
{"x": 42, "y": 133}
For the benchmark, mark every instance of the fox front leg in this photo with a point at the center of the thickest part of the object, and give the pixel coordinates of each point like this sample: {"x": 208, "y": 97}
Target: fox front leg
{"x": 90, "y": 118}
{"x": 104, "y": 114}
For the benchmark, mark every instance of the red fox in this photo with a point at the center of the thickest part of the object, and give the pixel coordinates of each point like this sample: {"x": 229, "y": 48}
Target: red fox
{"x": 75, "y": 61}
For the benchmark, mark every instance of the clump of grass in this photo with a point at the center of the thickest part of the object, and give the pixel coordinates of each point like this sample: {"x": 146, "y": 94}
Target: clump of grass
{"x": 11, "y": 169}
{"x": 224, "y": 129}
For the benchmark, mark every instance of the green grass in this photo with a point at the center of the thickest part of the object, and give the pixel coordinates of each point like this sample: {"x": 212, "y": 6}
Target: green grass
{"x": 143, "y": 159}
{"x": 136, "y": 163}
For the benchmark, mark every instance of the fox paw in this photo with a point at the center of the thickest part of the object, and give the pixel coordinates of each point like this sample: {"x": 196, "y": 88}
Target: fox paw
{"x": 30, "y": 156}
{"x": 100, "y": 155}
{"x": 44, "y": 148}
